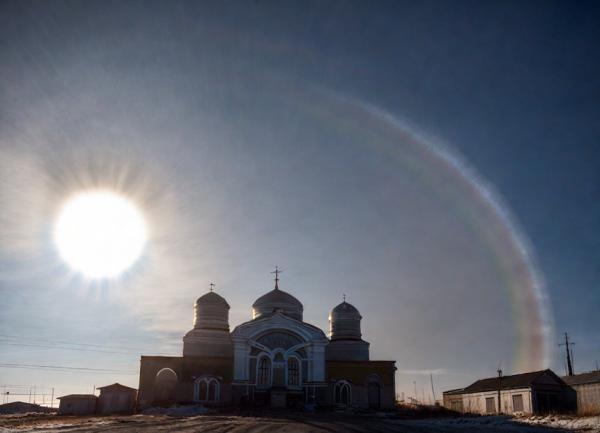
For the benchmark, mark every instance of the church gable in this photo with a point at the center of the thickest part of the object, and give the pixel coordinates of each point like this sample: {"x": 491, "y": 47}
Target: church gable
{"x": 279, "y": 339}
{"x": 281, "y": 323}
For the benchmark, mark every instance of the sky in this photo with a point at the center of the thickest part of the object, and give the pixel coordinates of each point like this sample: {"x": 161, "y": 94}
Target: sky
{"x": 437, "y": 162}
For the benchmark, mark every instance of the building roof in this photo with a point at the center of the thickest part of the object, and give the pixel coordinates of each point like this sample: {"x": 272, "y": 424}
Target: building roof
{"x": 523, "y": 380}
{"x": 78, "y": 396}
{"x": 454, "y": 391}
{"x": 278, "y": 300}
{"x": 583, "y": 378}
{"x": 117, "y": 386}
{"x": 346, "y": 310}
{"x": 212, "y": 298}
{"x": 277, "y": 296}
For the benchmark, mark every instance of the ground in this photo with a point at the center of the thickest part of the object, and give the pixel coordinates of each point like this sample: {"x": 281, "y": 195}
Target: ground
{"x": 319, "y": 422}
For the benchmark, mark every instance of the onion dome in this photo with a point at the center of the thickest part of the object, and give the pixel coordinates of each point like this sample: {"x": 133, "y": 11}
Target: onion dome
{"x": 210, "y": 336}
{"x": 344, "y": 322}
{"x": 346, "y": 343}
{"x": 277, "y": 300}
{"x": 211, "y": 312}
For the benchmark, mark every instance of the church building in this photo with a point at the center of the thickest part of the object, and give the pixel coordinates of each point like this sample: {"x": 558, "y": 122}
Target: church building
{"x": 275, "y": 359}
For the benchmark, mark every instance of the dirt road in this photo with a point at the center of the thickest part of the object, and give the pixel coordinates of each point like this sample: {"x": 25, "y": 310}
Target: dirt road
{"x": 245, "y": 424}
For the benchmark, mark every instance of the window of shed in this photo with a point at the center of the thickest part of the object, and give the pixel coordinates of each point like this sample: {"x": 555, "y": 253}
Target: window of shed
{"x": 517, "y": 402}
{"x": 490, "y": 405}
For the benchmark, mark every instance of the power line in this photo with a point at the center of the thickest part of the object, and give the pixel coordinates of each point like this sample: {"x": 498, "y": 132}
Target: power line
{"x": 78, "y": 349}
{"x": 47, "y": 340}
{"x": 64, "y": 368}
{"x": 14, "y": 340}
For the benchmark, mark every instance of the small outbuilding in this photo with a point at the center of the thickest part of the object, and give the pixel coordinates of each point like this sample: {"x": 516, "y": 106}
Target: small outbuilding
{"x": 587, "y": 387}
{"x": 527, "y": 393}
{"x": 116, "y": 398}
{"x": 77, "y": 404}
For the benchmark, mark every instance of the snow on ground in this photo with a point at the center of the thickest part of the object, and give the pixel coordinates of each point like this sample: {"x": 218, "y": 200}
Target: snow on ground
{"x": 574, "y": 423}
{"x": 285, "y": 422}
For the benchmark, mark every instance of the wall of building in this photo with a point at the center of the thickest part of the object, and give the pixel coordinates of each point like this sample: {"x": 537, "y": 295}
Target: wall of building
{"x": 476, "y": 402}
{"x": 588, "y": 398}
{"x": 77, "y": 406}
{"x": 359, "y": 374}
{"x": 149, "y": 368}
{"x": 453, "y": 402}
{"x": 187, "y": 370}
{"x": 117, "y": 401}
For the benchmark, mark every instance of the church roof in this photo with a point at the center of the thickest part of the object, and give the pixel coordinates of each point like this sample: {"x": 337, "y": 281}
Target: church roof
{"x": 345, "y": 309}
{"x": 278, "y": 297}
{"x": 212, "y": 298}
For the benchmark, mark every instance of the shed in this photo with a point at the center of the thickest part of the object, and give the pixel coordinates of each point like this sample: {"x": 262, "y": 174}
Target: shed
{"x": 117, "y": 398}
{"x": 453, "y": 399}
{"x": 533, "y": 392}
{"x": 77, "y": 404}
{"x": 587, "y": 387}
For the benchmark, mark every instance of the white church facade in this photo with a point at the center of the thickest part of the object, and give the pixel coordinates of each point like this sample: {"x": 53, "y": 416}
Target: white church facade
{"x": 276, "y": 359}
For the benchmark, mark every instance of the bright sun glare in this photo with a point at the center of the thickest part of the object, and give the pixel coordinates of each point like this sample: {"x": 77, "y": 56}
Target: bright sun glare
{"x": 100, "y": 233}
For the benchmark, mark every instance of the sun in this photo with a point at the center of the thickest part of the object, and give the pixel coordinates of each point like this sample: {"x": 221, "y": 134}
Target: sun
{"x": 100, "y": 233}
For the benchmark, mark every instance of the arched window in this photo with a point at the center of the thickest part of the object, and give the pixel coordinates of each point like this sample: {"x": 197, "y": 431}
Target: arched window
{"x": 213, "y": 386}
{"x": 342, "y": 393}
{"x": 164, "y": 386}
{"x": 207, "y": 389}
{"x": 264, "y": 371}
{"x": 293, "y": 372}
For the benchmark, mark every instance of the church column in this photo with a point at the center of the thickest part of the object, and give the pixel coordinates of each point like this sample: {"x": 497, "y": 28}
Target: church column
{"x": 318, "y": 358}
{"x": 241, "y": 351}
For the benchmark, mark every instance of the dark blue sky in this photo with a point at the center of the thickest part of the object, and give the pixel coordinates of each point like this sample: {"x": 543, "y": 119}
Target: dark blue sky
{"x": 202, "y": 96}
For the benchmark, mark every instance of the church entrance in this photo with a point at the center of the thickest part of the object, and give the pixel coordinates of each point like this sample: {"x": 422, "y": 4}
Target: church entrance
{"x": 165, "y": 384}
{"x": 374, "y": 393}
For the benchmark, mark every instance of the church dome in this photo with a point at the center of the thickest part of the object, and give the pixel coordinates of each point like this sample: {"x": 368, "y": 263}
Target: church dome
{"x": 210, "y": 336}
{"x": 212, "y": 298}
{"x": 344, "y": 322}
{"x": 278, "y": 300}
{"x": 211, "y": 311}
{"x": 346, "y": 338}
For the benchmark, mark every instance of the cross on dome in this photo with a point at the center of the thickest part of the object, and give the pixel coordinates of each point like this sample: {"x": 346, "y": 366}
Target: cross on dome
{"x": 277, "y": 271}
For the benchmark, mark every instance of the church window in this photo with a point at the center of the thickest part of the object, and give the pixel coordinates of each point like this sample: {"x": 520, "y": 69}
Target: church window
{"x": 207, "y": 389}
{"x": 203, "y": 390}
{"x": 264, "y": 371}
{"x": 342, "y": 393}
{"x": 212, "y": 390}
{"x": 293, "y": 367}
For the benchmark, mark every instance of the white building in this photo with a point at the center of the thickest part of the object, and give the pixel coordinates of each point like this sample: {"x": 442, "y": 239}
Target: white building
{"x": 273, "y": 359}
{"x": 526, "y": 393}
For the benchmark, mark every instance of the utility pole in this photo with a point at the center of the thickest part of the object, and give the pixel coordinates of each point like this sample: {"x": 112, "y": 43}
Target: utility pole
{"x": 432, "y": 390}
{"x": 569, "y": 354}
{"x": 499, "y": 391}
{"x": 416, "y": 396}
